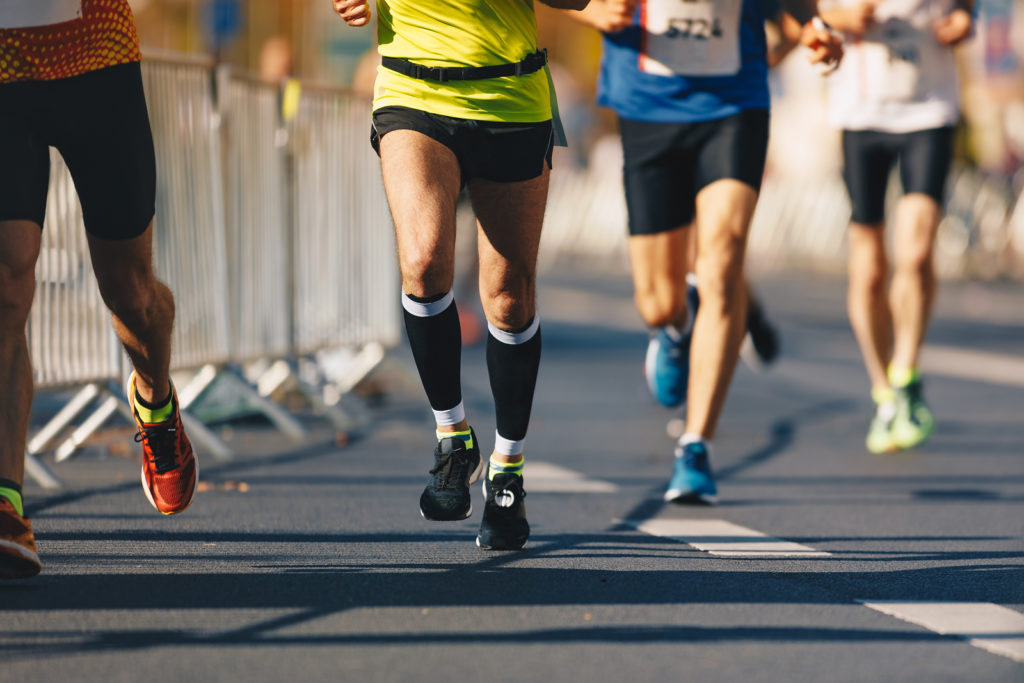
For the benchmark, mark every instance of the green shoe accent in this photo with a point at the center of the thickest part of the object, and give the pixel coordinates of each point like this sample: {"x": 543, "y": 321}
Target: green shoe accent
{"x": 879, "y": 439}
{"x": 902, "y": 377}
{"x": 13, "y": 495}
{"x": 495, "y": 468}
{"x": 914, "y": 422}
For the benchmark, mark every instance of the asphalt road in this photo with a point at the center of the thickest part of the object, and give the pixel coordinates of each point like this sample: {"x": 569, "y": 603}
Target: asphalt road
{"x": 822, "y": 562}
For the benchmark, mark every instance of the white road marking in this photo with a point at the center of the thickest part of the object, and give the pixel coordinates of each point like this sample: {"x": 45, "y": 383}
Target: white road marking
{"x": 725, "y": 539}
{"x": 547, "y": 478}
{"x": 991, "y": 627}
{"x": 977, "y": 365}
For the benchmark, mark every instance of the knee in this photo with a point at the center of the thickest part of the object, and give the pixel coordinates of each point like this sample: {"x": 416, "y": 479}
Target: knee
{"x": 425, "y": 276}
{"x": 508, "y": 308}
{"x": 660, "y": 308}
{"x": 918, "y": 263}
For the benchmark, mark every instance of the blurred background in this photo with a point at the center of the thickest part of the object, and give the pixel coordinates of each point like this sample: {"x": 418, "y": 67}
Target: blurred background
{"x": 800, "y": 223}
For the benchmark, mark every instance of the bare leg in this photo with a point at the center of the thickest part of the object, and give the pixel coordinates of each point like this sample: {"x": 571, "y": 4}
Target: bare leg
{"x": 20, "y": 242}
{"x": 422, "y": 178}
{"x": 913, "y": 284}
{"x": 724, "y": 211}
{"x": 142, "y": 308}
{"x": 510, "y": 219}
{"x": 866, "y": 302}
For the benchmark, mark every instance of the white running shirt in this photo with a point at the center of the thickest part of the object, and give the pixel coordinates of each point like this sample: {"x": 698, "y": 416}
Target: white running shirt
{"x": 897, "y": 78}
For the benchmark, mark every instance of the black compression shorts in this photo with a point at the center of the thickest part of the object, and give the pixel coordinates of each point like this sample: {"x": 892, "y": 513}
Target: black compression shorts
{"x": 868, "y": 157}
{"x": 667, "y": 164}
{"x": 489, "y": 150}
{"x": 99, "y": 123}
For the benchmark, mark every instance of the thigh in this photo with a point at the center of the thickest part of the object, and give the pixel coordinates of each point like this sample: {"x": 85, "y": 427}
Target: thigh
{"x": 24, "y": 156}
{"x": 925, "y": 157}
{"x": 658, "y": 177}
{"x": 421, "y": 180}
{"x": 103, "y": 133}
{"x": 867, "y": 160}
{"x": 735, "y": 149}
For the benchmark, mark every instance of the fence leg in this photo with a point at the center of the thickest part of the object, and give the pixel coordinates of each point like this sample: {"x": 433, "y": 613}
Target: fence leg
{"x": 313, "y": 391}
{"x": 87, "y": 428}
{"x": 196, "y": 386}
{"x": 41, "y": 473}
{"x": 204, "y": 440}
{"x": 63, "y": 417}
{"x": 277, "y": 415}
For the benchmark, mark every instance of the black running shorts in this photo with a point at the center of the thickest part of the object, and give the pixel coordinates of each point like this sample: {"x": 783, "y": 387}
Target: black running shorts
{"x": 665, "y": 165}
{"x": 489, "y": 150}
{"x": 868, "y": 156}
{"x": 99, "y": 123}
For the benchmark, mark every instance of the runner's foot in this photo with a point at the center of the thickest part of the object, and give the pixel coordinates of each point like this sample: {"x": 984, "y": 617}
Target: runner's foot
{"x": 456, "y": 465}
{"x": 18, "y": 557}
{"x": 761, "y": 343}
{"x": 913, "y": 422}
{"x": 504, "y": 525}
{"x": 169, "y": 467}
{"x": 692, "y": 481}
{"x": 667, "y": 364}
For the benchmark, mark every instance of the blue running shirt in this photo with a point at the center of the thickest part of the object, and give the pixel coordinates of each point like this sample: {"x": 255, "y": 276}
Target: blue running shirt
{"x": 684, "y": 61}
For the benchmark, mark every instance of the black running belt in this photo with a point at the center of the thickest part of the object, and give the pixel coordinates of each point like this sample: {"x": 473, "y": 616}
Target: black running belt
{"x": 531, "y": 63}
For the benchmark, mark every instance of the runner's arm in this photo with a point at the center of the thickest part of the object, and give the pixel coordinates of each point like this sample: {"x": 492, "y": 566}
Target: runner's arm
{"x": 957, "y": 25}
{"x": 607, "y": 16}
{"x": 826, "y": 46}
{"x": 784, "y": 38}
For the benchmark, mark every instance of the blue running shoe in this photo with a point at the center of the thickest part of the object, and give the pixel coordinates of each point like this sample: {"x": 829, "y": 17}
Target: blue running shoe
{"x": 667, "y": 365}
{"x": 691, "y": 477}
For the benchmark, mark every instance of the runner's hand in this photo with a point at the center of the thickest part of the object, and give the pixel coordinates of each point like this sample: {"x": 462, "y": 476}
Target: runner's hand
{"x": 354, "y": 12}
{"x": 825, "y": 46}
{"x": 609, "y": 16}
{"x": 953, "y": 27}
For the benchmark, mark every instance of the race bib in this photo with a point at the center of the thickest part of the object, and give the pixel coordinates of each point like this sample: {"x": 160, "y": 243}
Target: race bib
{"x": 894, "y": 56}
{"x": 690, "y": 37}
{"x": 27, "y": 13}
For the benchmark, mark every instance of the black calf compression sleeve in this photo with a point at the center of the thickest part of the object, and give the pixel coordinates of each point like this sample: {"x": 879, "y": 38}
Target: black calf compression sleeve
{"x": 432, "y": 325}
{"x": 512, "y": 362}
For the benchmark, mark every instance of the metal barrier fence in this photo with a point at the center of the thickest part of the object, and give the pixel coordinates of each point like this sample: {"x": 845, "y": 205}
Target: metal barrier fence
{"x": 274, "y": 237}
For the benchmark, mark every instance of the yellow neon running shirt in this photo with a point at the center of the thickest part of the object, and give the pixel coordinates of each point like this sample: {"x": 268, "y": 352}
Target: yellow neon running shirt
{"x": 76, "y": 36}
{"x": 462, "y": 33}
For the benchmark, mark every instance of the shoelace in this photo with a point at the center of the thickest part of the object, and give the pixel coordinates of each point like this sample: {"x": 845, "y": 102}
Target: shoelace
{"x": 160, "y": 440}
{"x": 446, "y": 468}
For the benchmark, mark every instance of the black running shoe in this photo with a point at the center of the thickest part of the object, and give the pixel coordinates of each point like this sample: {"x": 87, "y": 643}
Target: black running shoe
{"x": 447, "y": 496}
{"x": 761, "y": 345}
{"x": 504, "y": 526}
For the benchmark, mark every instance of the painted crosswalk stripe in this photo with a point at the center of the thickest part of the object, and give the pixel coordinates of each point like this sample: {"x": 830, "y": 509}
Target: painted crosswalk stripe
{"x": 725, "y": 539}
{"x": 544, "y": 477}
{"x": 991, "y": 627}
{"x": 995, "y": 368}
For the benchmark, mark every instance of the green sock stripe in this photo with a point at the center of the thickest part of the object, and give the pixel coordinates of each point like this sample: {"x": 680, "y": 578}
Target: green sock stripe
{"x": 152, "y": 415}
{"x": 13, "y": 495}
{"x": 466, "y": 436}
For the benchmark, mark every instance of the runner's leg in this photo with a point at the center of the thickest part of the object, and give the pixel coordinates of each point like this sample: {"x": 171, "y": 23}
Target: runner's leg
{"x": 20, "y": 242}
{"x": 724, "y": 210}
{"x": 866, "y": 301}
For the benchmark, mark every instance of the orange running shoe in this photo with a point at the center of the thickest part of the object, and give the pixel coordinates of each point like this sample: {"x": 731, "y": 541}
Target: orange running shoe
{"x": 169, "y": 468}
{"x": 18, "y": 558}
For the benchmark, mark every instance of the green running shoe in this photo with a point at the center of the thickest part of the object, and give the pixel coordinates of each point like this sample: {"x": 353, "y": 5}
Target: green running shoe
{"x": 880, "y": 433}
{"x": 914, "y": 422}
